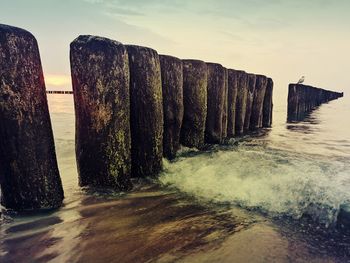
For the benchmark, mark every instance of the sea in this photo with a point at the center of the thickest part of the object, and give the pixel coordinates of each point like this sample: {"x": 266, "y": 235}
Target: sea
{"x": 281, "y": 194}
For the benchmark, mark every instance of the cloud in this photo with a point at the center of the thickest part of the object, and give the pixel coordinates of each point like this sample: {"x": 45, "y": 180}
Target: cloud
{"x": 94, "y": 1}
{"x": 137, "y": 33}
{"x": 133, "y": 7}
{"x": 114, "y": 11}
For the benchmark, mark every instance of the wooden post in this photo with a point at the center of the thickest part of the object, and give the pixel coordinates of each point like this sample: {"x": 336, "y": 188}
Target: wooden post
{"x": 232, "y": 86}
{"x": 172, "y": 88}
{"x": 241, "y": 103}
{"x": 29, "y": 174}
{"x": 268, "y": 106}
{"x": 258, "y": 103}
{"x": 250, "y": 99}
{"x": 146, "y": 111}
{"x": 100, "y": 76}
{"x": 195, "y": 103}
{"x": 216, "y": 89}
{"x": 225, "y": 112}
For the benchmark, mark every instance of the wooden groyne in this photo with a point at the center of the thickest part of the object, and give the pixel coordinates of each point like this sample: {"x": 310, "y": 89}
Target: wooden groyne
{"x": 132, "y": 107}
{"x": 172, "y": 102}
{"x": 59, "y": 92}
{"x": 29, "y": 175}
{"x": 302, "y": 99}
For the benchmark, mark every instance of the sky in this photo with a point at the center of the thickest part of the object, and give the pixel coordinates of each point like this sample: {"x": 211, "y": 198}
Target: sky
{"x": 283, "y": 39}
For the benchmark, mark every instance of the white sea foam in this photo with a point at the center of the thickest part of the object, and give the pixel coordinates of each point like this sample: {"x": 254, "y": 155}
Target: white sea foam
{"x": 274, "y": 181}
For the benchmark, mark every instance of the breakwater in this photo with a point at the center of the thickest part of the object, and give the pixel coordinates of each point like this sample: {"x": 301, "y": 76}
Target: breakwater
{"x": 132, "y": 107}
{"x": 59, "y": 92}
{"x": 303, "y": 98}
{"x": 171, "y": 102}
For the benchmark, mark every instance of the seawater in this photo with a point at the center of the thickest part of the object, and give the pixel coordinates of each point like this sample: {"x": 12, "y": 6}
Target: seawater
{"x": 271, "y": 196}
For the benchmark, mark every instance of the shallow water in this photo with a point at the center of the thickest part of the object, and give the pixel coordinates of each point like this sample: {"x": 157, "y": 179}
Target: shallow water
{"x": 274, "y": 196}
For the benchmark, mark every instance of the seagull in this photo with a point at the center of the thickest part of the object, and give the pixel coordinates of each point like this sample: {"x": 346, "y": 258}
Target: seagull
{"x": 301, "y": 80}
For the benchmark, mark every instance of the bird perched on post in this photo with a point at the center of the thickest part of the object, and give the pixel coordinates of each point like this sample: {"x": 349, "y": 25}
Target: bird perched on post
{"x": 301, "y": 80}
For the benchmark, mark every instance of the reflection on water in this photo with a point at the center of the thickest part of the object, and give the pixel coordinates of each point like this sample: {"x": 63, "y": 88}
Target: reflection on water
{"x": 146, "y": 224}
{"x": 274, "y": 196}
{"x": 307, "y": 125}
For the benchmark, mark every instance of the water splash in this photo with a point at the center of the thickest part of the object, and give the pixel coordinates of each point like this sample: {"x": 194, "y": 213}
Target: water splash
{"x": 273, "y": 181}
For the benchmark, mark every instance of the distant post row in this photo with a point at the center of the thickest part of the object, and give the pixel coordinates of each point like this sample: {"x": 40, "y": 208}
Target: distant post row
{"x": 302, "y": 99}
{"x": 132, "y": 107}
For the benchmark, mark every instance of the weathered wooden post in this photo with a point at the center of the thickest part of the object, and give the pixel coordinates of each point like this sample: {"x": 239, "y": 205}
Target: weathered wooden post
{"x": 257, "y": 109}
{"x": 308, "y": 98}
{"x": 146, "y": 111}
{"x": 172, "y": 88}
{"x": 225, "y": 112}
{"x": 250, "y": 99}
{"x": 232, "y": 86}
{"x": 268, "y": 106}
{"x": 311, "y": 98}
{"x": 299, "y": 94}
{"x": 315, "y": 97}
{"x": 319, "y": 97}
{"x": 323, "y": 96}
{"x": 29, "y": 174}
{"x": 216, "y": 103}
{"x": 241, "y": 103}
{"x": 292, "y": 102}
{"x": 100, "y": 77}
{"x": 303, "y": 98}
{"x": 195, "y": 103}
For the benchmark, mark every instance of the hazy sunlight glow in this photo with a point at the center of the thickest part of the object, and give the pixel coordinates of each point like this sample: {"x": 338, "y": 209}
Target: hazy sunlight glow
{"x": 57, "y": 80}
